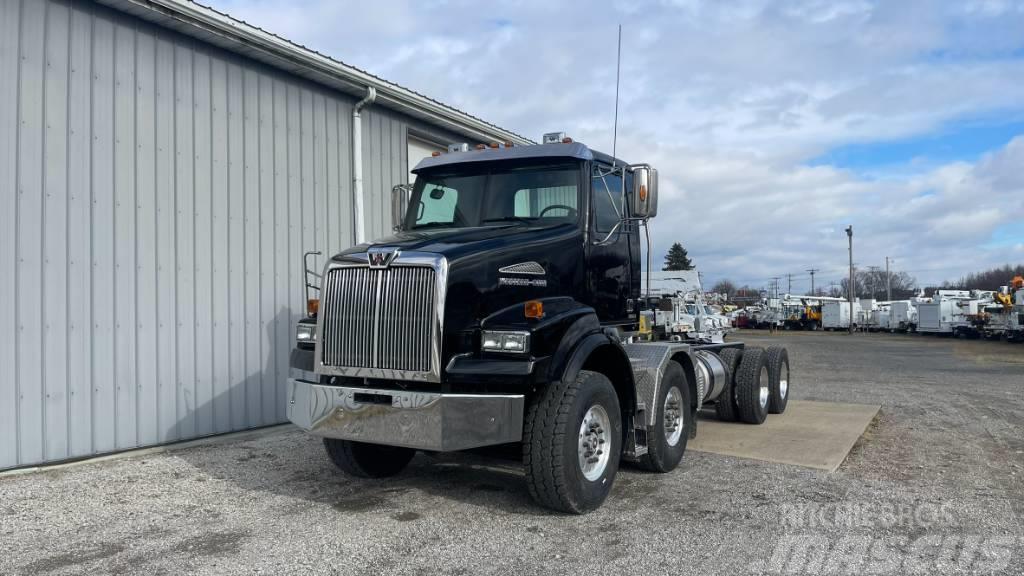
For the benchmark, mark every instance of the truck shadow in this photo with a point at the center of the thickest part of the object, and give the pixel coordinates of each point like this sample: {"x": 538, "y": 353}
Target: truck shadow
{"x": 286, "y": 462}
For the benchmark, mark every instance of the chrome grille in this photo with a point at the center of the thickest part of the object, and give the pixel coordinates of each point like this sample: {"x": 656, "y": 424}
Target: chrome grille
{"x": 378, "y": 318}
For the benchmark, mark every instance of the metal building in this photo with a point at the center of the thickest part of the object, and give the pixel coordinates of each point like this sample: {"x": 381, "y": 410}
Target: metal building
{"x": 162, "y": 169}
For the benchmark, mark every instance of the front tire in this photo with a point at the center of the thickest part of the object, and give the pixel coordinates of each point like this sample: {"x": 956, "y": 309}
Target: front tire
{"x": 778, "y": 386}
{"x": 572, "y": 441}
{"x": 752, "y": 386}
{"x": 666, "y": 442}
{"x": 364, "y": 460}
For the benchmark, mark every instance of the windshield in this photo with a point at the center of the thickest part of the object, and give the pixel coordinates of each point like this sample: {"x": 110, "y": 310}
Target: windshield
{"x": 522, "y": 196}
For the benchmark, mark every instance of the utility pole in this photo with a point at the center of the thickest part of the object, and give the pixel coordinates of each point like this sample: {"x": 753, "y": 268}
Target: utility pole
{"x": 775, "y": 286}
{"x": 888, "y": 281}
{"x": 789, "y": 283}
{"x": 812, "y": 271}
{"x": 849, "y": 235}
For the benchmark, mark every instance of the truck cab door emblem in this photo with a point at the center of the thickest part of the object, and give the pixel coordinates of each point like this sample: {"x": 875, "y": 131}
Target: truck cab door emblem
{"x": 533, "y": 282}
{"x": 379, "y": 258}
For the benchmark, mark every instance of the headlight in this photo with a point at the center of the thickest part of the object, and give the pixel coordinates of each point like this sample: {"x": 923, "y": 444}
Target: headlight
{"x": 491, "y": 341}
{"x": 305, "y": 333}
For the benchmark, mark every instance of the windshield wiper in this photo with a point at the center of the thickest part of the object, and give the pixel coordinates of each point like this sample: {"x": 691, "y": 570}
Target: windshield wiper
{"x": 521, "y": 219}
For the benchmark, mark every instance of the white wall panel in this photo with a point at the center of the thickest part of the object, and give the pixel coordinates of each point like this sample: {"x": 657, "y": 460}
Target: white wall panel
{"x": 156, "y": 196}
{"x": 10, "y": 67}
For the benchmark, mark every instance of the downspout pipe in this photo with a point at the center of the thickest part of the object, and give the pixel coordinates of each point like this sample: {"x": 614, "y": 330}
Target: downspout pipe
{"x": 357, "y": 163}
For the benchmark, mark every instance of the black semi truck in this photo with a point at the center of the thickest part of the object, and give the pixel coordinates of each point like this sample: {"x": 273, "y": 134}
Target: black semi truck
{"x": 507, "y": 308}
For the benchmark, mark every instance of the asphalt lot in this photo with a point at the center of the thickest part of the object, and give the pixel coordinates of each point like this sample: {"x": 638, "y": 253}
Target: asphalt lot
{"x": 936, "y": 484}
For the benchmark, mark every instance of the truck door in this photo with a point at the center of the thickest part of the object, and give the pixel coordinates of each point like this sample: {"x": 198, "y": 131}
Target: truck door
{"x": 608, "y": 262}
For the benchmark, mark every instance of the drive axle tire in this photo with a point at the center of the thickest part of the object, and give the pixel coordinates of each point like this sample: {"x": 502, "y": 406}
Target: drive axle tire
{"x": 752, "y": 386}
{"x": 778, "y": 387}
{"x": 364, "y": 460}
{"x": 725, "y": 407}
{"x": 666, "y": 441}
{"x": 572, "y": 441}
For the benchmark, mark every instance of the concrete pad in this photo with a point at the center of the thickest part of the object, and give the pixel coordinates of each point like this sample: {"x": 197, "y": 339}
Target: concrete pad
{"x": 810, "y": 434}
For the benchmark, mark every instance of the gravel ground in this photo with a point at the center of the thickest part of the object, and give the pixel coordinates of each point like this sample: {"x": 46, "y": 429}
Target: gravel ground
{"x": 935, "y": 485}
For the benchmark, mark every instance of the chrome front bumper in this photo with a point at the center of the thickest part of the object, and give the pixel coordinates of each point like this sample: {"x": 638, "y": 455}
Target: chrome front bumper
{"x": 421, "y": 420}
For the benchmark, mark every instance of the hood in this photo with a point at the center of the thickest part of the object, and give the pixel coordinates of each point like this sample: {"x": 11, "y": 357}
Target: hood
{"x": 462, "y": 243}
{"x": 486, "y": 270}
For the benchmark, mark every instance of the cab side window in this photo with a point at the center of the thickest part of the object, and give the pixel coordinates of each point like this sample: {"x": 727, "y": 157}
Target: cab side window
{"x": 607, "y": 198}
{"x": 438, "y": 205}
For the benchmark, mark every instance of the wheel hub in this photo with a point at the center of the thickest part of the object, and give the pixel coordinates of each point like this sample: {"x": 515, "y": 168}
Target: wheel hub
{"x": 594, "y": 446}
{"x": 673, "y": 413}
{"x": 763, "y": 383}
{"x": 783, "y": 387}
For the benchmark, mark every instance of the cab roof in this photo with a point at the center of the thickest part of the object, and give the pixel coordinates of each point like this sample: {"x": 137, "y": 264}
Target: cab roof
{"x": 572, "y": 150}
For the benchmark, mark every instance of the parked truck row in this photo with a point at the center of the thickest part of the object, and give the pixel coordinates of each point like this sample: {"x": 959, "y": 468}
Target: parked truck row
{"x": 993, "y": 314}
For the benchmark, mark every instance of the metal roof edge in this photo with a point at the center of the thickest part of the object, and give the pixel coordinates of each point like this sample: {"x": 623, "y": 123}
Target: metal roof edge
{"x": 194, "y": 19}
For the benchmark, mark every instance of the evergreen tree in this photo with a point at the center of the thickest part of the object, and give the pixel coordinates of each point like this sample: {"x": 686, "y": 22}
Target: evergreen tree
{"x": 676, "y": 259}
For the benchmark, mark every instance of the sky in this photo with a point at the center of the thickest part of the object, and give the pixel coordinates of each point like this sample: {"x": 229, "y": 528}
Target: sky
{"x": 774, "y": 125}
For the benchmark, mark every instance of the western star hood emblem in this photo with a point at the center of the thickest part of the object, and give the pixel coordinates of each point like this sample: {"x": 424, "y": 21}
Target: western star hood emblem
{"x": 381, "y": 257}
{"x": 523, "y": 268}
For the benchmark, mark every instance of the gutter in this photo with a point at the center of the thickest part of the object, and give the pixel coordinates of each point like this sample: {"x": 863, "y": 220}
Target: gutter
{"x": 219, "y": 29}
{"x": 357, "y": 163}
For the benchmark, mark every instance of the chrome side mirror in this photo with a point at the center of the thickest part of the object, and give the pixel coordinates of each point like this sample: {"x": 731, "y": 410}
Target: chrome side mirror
{"x": 400, "y": 195}
{"x": 645, "y": 191}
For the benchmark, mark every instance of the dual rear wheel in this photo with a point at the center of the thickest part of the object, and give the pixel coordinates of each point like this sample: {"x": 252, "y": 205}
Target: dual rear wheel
{"x": 758, "y": 384}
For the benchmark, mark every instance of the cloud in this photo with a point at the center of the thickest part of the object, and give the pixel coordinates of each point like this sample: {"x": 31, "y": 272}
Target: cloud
{"x": 732, "y": 101}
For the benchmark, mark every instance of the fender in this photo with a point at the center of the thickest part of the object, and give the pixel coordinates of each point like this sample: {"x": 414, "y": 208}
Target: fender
{"x": 548, "y": 333}
{"x": 516, "y": 371}
{"x": 580, "y": 341}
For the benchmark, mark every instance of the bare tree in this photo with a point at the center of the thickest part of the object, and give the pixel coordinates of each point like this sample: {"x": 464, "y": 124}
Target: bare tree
{"x": 986, "y": 280}
{"x": 872, "y": 284}
{"x": 724, "y": 287}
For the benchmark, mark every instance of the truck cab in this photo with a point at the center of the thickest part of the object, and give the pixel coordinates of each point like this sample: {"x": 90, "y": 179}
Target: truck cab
{"x": 507, "y": 295}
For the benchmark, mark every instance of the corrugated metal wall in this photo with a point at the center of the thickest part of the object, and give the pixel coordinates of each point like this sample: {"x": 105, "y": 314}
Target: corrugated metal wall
{"x": 156, "y": 197}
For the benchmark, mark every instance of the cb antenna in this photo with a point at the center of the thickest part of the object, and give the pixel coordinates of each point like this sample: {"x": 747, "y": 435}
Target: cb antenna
{"x": 615, "y": 126}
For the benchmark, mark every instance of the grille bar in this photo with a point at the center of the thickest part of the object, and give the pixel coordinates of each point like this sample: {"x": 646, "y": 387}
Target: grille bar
{"x": 379, "y": 318}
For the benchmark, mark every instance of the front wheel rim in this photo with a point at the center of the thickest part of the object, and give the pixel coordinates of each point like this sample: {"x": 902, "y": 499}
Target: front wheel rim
{"x": 784, "y": 385}
{"x": 673, "y": 412}
{"x": 594, "y": 447}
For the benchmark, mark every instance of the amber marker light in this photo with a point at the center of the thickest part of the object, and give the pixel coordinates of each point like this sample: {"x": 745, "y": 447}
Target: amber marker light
{"x": 533, "y": 309}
